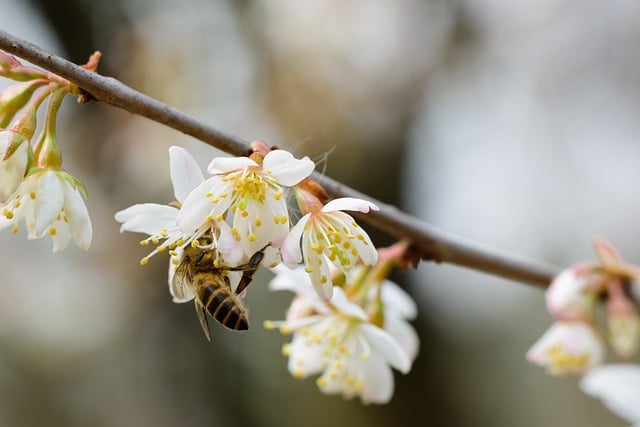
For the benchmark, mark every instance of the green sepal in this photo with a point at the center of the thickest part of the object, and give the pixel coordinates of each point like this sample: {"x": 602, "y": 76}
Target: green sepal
{"x": 14, "y": 142}
{"x": 74, "y": 181}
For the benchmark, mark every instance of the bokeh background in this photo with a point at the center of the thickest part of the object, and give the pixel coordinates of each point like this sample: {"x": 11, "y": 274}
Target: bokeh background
{"x": 511, "y": 123}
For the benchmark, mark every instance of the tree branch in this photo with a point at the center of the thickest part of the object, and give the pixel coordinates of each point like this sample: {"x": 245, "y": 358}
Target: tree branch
{"x": 432, "y": 244}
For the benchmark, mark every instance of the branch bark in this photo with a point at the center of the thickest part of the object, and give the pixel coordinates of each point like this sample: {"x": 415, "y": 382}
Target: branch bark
{"x": 432, "y": 243}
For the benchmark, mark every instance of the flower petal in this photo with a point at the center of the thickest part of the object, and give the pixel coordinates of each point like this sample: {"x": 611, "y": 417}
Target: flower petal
{"x": 49, "y": 201}
{"x": 228, "y": 246}
{"x": 185, "y": 172}
{"x": 397, "y": 300}
{"x": 293, "y": 280}
{"x": 147, "y": 218}
{"x": 384, "y": 344}
{"x": 378, "y": 381}
{"x": 291, "y": 250}
{"x": 350, "y": 204}
{"x": 197, "y": 206}
{"x": 12, "y": 170}
{"x": 227, "y": 164}
{"x": 305, "y": 358}
{"x": 285, "y": 168}
{"x": 78, "y": 216}
{"x": 346, "y": 307}
{"x": 61, "y": 237}
{"x": 403, "y": 333}
{"x": 617, "y": 386}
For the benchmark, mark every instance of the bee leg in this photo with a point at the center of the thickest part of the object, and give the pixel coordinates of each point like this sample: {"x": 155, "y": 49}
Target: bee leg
{"x": 247, "y": 277}
{"x": 202, "y": 317}
{"x": 248, "y": 269}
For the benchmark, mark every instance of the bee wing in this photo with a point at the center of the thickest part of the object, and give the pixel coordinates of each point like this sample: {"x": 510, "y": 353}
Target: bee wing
{"x": 181, "y": 285}
{"x": 202, "y": 317}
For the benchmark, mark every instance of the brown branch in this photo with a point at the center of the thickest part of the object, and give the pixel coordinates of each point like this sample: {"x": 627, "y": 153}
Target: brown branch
{"x": 432, "y": 244}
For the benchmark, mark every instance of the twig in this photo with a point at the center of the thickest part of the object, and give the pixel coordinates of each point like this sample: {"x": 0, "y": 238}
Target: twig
{"x": 432, "y": 244}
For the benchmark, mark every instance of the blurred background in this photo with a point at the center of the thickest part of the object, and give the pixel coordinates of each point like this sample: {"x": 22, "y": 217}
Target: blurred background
{"x": 511, "y": 123}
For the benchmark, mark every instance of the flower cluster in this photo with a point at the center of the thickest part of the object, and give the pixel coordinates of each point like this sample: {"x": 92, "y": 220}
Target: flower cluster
{"x": 241, "y": 208}
{"x": 33, "y": 184}
{"x": 575, "y": 343}
{"x": 349, "y": 323}
{"x": 354, "y": 339}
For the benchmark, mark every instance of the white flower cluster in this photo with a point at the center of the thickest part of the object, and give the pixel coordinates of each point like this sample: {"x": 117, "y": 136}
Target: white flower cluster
{"x": 353, "y": 340}
{"x": 351, "y": 333}
{"x": 33, "y": 185}
{"x": 242, "y": 208}
{"x": 575, "y": 343}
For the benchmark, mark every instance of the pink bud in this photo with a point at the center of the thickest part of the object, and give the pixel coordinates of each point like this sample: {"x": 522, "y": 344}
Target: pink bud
{"x": 572, "y": 294}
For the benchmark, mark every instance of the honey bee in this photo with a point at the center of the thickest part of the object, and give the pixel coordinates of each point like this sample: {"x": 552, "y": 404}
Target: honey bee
{"x": 198, "y": 275}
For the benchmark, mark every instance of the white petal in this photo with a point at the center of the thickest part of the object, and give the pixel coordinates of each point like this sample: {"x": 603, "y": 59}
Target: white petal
{"x": 384, "y": 344}
{"x": 294, "y": 280}
{"x": 291, "y": 251}
{"x": 62, "y": 237}
{"x": 267, "y": 232}
{"x": 378, "y": 381}
{"x": 13, "y": 169}
{"x": 397, "y": 300}
{"x": 346, "y": 307}
{"x": 78, "y": 216}
{"x": 285, "y": 168}
{"x": 147, "y": 218}
{"x": 49, "y": 201}
{"x": 403, "y": 333}
{"x": 196, "y": 207}
{"x": 227, "y": 164}
{"x": 304, "y": 358}
{"x": 350, "y": 204}
{"x": 619, "y": 388}
{"x": 185, "y": 172}
{"x": 228, "y": 246}
{"x": 321, "y": 277}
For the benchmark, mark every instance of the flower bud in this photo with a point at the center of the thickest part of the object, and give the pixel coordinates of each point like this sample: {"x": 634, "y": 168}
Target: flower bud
{"x": 572, "y": 294}
{"x": 623, "y": 322}
{"x": 14, "y": 98}
{"x": 11, "y": 68}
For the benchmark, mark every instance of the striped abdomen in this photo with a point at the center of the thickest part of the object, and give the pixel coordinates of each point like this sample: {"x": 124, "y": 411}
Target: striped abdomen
{"x": 222, "y": 304}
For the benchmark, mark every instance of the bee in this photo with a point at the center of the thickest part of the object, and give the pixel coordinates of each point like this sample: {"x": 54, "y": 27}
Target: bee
{"x": 198, "y": 275}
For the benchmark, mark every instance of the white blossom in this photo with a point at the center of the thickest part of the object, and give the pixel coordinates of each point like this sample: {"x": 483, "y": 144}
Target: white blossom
{"x": 249, "y": 195}
{"x": 338, "y": 340}
{"x": 329, "y": 236}
{"x": 568, "y": 348}
{"x": 50, "y": 202}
